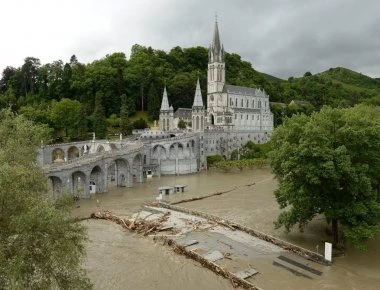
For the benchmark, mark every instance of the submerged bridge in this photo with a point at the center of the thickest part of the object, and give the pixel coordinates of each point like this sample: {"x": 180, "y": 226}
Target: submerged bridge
{"x": 85, "y": 168}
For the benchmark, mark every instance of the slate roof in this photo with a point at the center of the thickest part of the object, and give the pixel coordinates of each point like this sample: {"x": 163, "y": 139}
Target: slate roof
{"x": 243, "y": 91}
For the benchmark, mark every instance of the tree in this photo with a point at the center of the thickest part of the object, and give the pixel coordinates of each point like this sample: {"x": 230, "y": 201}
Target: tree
{"x": 100, "y": 121}
{"x": 8, "y": 72}
{"x": 153, "y": 103}
{"x": 64, "y": 115}
{"x": 140, "y": 124}
{"x": 82, "y": 123}
{"x": 182, "y": 124}
{"x": 328, "y": 164}
{"x": 125, "y": 126}
{"x": 41, "y": 247}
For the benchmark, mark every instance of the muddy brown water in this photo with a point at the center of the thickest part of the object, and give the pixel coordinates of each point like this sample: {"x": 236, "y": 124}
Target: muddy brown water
{"x": 117, "y": 259}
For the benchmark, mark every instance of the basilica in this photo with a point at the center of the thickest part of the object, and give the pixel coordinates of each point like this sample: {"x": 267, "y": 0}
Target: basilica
{"x": 233, "y": 115}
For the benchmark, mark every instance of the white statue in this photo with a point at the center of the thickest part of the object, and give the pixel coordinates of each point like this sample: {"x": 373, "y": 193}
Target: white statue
{"x": 93, "y": 136}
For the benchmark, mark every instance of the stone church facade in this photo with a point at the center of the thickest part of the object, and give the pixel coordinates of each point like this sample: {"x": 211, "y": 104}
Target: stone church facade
{"x": 233, "y": 116}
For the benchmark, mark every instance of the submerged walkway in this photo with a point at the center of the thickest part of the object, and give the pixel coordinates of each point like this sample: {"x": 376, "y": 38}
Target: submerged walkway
{"x": 226, "y": 248}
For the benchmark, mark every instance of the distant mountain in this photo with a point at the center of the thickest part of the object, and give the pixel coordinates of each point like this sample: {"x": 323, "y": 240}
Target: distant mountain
{"x": 351, "y": 78}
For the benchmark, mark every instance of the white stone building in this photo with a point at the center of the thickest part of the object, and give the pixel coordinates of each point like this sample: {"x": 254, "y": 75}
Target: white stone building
{"x": 234, "y": 114}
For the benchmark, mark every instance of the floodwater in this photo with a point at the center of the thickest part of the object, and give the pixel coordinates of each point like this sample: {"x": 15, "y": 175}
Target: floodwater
{"x": 118, "y": 259}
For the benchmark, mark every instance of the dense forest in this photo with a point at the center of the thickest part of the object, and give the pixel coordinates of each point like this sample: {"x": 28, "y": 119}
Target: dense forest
{"x": 74, "y": 98}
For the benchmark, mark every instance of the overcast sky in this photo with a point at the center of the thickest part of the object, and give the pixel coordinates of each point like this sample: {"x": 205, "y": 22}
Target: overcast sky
{"x": 280, "y": 37}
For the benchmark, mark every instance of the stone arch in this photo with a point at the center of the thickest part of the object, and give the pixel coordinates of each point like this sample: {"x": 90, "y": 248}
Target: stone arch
{"x": 176, "y": 150}
{"x": 73, "y": 152}
{"x": 212, "y": 119}
{"x": 56, "y": 185}
{"x": 122, "y": 173}
{"x": 192, "y": 142}
{"x": 85, "y": 149}
{"x": 97, "y": 179}
{"x": 159, "y": 152}
{"x": 79, "y": 186}
{"x": 58, "y": 155}
{"x": 100, "y": 149}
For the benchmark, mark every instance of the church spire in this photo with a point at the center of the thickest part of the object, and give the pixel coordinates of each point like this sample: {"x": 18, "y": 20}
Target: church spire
{"x": 216, "y": 51}
{"x": 216, "y": 40}
{"x": 198, "y": 102}
{"x": 165, "y": 102}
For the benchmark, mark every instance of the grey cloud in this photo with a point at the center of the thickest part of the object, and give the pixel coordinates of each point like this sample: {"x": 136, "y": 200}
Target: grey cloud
{"x": 280, "y": 37}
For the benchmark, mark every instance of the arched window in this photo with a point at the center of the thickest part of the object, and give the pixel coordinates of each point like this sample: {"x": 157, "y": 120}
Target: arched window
{"x": 242, "y": 103}
{"x": 236, "y": 102}
{"x": 247, "y": 104}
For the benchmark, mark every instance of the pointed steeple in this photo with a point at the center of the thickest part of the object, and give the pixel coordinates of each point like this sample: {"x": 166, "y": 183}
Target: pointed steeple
{"x": 216, "y": 51}
{"x": 216, "y": 40}
{"x": 165, "y": 102}
{"x": 198, "y": 102}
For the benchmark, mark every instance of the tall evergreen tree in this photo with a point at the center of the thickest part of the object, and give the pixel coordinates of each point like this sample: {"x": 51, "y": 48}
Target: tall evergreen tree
{"x": 82, "y": 123}
{"x": 153, "y": 103}
{"x": 100, "y": 121}
{"x": 125, "y": 126}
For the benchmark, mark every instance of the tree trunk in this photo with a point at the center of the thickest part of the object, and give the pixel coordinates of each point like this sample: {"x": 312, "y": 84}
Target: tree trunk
{"x": 334, "y": 228}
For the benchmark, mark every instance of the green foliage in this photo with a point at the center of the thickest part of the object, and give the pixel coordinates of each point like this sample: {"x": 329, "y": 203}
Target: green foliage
{"x": 182, "y": 124}
{"x": 125, "y": 126}
{"x": 113, "y": 123}
{"x": 41, "y": 246}
{"x": 227, "y": 165}
{"x": 212, "y": 159}
{"x": 100, "y": 121}
{"x": 64, "y": 115}
{"x": 82, "y": 123}
{"x": 328, "y": 164}
{"x": 143, "y": 75}
{"x": 140, "y": 124}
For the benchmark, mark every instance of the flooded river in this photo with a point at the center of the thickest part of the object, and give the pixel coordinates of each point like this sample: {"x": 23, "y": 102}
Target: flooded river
{"x": 117, "y": 259}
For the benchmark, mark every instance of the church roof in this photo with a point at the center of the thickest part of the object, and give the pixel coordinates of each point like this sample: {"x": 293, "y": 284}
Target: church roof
{"x": 244, "y": 91}
{"x": 198, "y": 102}
{"x": 183, "y": 113}
{"x": 165, "y": 102}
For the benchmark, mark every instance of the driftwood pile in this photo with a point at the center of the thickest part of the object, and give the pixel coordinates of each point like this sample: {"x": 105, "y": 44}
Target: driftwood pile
{"x": 141, "y": 226}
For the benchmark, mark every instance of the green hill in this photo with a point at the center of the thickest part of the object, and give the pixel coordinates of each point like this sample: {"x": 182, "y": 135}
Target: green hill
{"x": 337, "y": 87}
{"x": 351, "y": 78}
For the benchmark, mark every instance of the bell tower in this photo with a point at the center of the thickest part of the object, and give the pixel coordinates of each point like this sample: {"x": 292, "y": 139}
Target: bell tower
{"x": 216, "y": 66}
